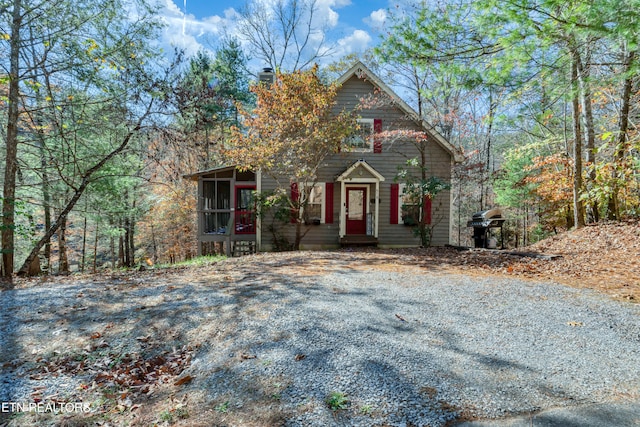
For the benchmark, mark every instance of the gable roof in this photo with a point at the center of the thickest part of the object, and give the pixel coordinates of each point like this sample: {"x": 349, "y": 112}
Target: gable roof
{"x": 344, "y": 176}
{"x": 361, "y": 71}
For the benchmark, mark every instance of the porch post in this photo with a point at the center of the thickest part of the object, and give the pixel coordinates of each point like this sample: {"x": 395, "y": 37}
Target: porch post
{"x": 258, "y": 219}
{"x": 343, "y": 209}
{"x": 200, "y": 214}
{"x": 377, "y": 208}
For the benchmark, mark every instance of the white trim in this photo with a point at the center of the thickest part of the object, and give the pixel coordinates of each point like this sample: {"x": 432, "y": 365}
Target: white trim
{"x": 344, "y": 176}
{"x": 401, "y": 188}
{"x": 258, "y": 219}
{"x": 345, "y": 181}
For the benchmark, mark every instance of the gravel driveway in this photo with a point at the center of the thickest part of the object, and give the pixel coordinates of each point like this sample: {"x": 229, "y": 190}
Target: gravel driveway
{"x": 404, "y": 346}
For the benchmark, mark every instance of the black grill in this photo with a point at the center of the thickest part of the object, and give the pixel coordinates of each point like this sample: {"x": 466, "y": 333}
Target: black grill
{"x": 482, "y": 222}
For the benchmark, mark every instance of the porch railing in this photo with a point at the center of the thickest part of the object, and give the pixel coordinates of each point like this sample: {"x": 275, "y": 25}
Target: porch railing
{"x": 370, "y": 224}
{"x": 245, "y": 222}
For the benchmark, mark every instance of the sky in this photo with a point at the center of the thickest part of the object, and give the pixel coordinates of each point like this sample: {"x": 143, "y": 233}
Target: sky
{"x": 354, "y": 25}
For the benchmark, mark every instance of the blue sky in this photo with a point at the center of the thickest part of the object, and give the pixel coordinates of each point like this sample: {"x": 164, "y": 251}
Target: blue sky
{"x": 353, "y": 25}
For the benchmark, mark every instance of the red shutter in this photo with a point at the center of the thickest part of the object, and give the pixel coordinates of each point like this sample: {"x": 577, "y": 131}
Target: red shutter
{"x": 377, "y": 140}
{"x": 395, "y": 199}
{"x": 426, "y": 210}
{"x": 328, "y": 203}
{"x": 294, "y": 200}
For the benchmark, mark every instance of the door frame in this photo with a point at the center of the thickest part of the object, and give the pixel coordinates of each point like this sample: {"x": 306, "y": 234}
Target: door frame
{"x": 365, "y": 207}
{"x": 360, "y": 174}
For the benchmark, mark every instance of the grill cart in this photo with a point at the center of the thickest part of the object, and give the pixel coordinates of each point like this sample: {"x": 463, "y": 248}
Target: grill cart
{"x": 482, "y": 223}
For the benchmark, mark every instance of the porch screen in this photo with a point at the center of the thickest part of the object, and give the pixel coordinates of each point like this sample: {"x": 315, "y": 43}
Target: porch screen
{"x": 216, "y": 205}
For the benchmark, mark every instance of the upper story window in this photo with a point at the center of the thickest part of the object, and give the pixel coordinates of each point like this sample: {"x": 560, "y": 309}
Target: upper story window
{"x": 362, "y": 139}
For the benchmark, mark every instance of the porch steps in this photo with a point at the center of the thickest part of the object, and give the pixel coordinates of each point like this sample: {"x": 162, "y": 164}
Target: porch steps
{"x": 358, "y": 240}
{"x": 243, "y": 247}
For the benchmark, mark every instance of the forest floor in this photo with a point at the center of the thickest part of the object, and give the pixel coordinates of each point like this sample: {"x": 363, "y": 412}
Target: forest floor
{"x": 604, "y": 257}
{"x": 125, "y": 341}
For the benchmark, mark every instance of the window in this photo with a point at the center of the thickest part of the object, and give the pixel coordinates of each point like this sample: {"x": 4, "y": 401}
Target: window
{"x": 409, "y": 208}
{"x": 314, "y": 211}
{"x": 362, "y": 139}
{"x": 319, "y": 209}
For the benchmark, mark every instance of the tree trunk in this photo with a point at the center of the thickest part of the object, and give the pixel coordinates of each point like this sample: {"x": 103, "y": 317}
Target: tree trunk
{"x": 46, "y": 198}
{"x": 63, "y": 260}
{"x": 622, "y": 137}
{"x": 84, "y": 244}
{"x": 131, "y": 241}
{"x": 11, "y": 161}
{"x": 86, "y": 180}
{"x": 578, "y": 210}
{"x": 112, "y": 252}
{"x": 121, "y": 254}
{"x": 95, "y": 249}
{"x": 586, "y": 98}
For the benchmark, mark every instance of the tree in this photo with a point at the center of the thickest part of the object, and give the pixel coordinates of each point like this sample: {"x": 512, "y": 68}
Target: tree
{"x": 424, "y": 48}
{"x": 289, "y": 134}
{"x": 548, "y": 62}
{"x": 83, "y": 85}
{"x": 284, "y": 34}
{"x": 420, "y": 191}
{"x": 207, "y": 95}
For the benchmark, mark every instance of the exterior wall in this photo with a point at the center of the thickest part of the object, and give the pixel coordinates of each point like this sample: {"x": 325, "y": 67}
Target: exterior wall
{"x": 394, "y": 154}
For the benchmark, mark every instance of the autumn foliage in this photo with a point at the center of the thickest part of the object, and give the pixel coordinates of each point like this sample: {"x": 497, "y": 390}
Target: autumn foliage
{"x": 551, "y": 178}
{"x": 293, "y": 129}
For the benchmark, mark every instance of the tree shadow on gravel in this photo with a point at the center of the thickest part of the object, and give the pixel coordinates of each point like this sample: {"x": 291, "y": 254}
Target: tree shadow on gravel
{"x": 264, "y": 343}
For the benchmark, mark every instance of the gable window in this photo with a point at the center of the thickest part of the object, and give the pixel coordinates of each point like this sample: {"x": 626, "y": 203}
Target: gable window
{"x": 362, "y": 139}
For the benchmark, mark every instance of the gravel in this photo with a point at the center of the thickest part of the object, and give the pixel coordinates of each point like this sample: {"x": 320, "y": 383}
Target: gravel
{"x": 406, "y": 348}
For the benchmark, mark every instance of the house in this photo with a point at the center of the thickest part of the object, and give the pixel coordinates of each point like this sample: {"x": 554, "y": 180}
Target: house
{"x": 357, "y": 199}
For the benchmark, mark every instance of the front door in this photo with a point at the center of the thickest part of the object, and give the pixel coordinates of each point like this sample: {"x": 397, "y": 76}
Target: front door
{"x": 357, "y": 210}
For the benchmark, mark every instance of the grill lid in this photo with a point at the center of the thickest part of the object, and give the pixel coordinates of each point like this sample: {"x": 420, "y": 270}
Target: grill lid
{"x": 488, "y": 218}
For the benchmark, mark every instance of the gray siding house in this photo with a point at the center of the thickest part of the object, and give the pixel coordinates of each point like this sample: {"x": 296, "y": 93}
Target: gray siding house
{"x": 357, "y": 199}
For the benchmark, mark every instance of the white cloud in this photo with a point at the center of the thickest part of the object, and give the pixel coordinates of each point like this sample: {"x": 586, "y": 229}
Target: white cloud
{"x": 192, "y": 34}
{"x": 358, "y": 41}
{"x": 377, "y": 18}
{"x": 187, "y": 32}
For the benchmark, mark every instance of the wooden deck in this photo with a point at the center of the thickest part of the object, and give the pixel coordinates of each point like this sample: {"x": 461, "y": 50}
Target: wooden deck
{"x": 358, "y": 240}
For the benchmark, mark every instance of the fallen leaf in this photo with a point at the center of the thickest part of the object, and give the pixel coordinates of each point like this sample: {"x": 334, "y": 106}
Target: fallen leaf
{"x": 299, "y": 357}
{"x": 184, "y": 380}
